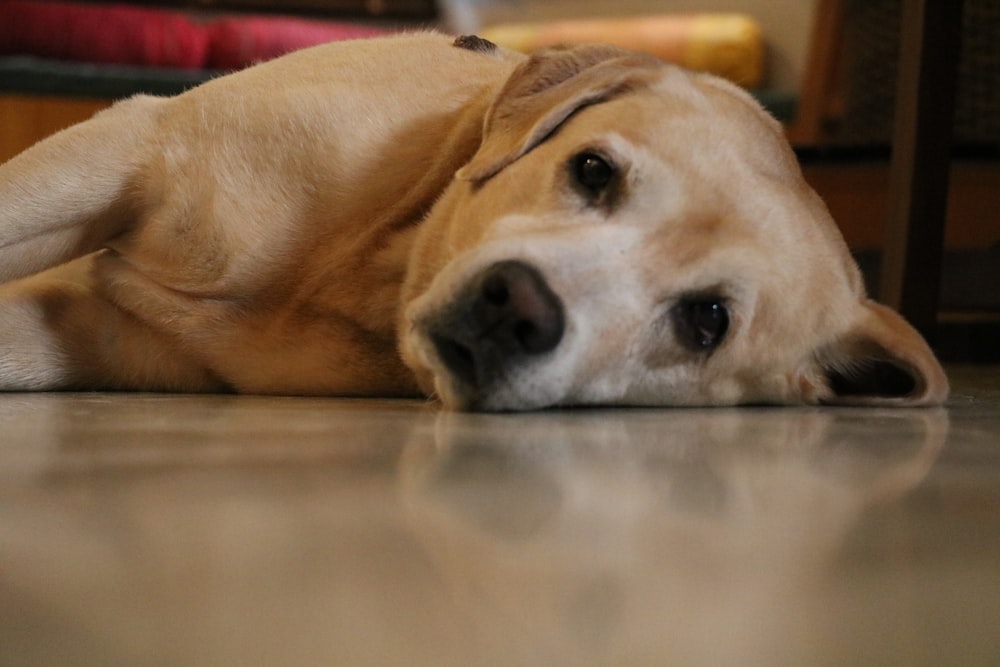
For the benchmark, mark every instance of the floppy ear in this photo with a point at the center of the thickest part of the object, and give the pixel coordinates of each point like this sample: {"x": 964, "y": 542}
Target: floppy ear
{"x": 546, "y": 90}
{"x": 882, "y": 360}
{"x": 67, "y": 195}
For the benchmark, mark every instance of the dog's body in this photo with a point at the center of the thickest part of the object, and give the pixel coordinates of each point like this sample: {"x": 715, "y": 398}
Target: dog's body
{"x": 411, "y": 215}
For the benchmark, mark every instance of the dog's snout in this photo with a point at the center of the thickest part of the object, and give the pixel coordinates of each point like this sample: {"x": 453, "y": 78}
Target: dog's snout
{"x": 506, "y": 314}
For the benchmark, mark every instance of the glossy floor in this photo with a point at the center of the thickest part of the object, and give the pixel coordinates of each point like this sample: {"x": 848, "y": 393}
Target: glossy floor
{"x": 177, "y": 530}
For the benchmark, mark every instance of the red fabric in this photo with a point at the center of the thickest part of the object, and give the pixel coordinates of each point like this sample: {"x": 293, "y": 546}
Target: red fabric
{"x": 133, "y": 36}
{"x": 238, "y": 42}
{"x": 102, "y": 34}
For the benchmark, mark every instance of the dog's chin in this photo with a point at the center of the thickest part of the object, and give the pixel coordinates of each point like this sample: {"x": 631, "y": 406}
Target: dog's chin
{"x": 499, "y": 396}
{"x": 520, "y": 388}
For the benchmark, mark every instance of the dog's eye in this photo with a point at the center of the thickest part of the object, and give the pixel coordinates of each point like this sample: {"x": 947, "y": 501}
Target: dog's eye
{"x": 592, "y": 172}
{"x": 701, "y": 323}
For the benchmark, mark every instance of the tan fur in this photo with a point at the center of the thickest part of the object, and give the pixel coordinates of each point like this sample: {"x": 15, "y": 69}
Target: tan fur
{"x": 293, "y": 228}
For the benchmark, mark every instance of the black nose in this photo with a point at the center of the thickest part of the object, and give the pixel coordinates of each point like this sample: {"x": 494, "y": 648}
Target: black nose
{"x": 505, "y": 316}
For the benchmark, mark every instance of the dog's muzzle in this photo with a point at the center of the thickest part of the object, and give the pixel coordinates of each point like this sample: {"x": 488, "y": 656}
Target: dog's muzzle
{"x": 506, "y": 316}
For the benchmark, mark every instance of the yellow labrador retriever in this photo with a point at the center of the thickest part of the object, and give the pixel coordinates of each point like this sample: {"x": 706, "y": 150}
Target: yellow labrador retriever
{"x": 421, "y": 214}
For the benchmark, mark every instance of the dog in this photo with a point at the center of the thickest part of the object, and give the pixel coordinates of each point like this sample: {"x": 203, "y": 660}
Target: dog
{"x": 424, "y": 215}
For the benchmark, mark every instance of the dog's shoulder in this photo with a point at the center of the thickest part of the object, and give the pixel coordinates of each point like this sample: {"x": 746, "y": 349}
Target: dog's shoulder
{"x": 419, "y": 61}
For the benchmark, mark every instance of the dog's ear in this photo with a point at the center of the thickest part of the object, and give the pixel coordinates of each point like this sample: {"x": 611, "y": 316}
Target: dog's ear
{"x": 882, "y": 360}
{"x": 70, "y": 193}
{"x": 544, "y": 91}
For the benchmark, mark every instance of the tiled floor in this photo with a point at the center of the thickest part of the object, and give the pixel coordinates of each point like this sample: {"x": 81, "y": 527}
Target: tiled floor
{"x": 171, "y": 530}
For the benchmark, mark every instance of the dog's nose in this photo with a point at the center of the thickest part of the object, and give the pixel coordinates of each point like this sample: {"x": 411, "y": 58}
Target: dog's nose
{"x": 518, "y": 310}
{"x": 506, "y": 314}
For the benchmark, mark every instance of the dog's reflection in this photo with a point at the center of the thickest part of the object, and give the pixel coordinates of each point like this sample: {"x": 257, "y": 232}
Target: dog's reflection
{"x": 615, "y": 534}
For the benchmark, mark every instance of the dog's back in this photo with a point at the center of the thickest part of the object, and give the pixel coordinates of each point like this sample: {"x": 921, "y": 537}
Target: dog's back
{"x": 250, "y": 225}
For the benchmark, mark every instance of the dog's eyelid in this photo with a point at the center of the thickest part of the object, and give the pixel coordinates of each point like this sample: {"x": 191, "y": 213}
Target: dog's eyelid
{"x": 599, "y": 150}
{"x": 716, "y": 292}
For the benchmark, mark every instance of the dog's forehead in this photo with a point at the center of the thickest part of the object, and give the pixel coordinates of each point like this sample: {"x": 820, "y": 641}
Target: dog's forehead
{"x": 699, "y": 116}
{"x": 711, "y": 98}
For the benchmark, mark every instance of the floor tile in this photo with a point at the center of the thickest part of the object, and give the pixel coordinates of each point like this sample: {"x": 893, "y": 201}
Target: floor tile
{"x": 229, "y": 530}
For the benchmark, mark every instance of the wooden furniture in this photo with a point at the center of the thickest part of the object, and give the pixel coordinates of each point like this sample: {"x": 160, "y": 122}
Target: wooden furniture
{"x": 918, "y": 185}
{"x": 921, "y": 137}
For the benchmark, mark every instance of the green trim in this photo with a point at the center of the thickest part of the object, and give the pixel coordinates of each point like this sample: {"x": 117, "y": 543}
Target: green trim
{"x": 35, "y": 76}
{"x": 781, "y": 104}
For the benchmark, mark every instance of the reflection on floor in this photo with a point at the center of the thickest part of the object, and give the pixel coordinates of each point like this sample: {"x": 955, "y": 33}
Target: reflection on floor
{"x": 178, "y": 530}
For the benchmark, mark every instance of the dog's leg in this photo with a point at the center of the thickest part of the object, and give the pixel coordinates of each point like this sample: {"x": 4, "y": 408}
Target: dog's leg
{"x": 61, "y": 332}
{"x": 68, "y": 194}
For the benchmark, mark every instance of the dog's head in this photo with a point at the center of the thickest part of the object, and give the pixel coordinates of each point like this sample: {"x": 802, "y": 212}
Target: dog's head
{"x": 631, "y": 233}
